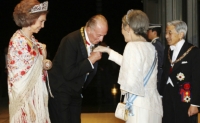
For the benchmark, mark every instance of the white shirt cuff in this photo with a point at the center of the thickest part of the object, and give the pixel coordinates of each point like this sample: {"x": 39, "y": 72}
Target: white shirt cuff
{"x": 195, "y": 105}
{"x": 91, "y": 64}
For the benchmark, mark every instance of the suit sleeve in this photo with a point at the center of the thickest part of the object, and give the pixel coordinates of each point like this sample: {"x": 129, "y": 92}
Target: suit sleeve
{"x": 115, "y": 57}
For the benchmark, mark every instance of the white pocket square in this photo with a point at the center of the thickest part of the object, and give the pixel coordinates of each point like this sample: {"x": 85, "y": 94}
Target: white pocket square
{"x": 184, "y": 62}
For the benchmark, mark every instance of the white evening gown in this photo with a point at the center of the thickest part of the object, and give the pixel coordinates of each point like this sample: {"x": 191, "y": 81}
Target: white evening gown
{"x": 135, "y": 64}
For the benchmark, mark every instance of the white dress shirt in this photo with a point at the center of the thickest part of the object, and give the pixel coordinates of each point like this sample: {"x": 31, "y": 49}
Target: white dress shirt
{"x": 176, "y": 49}
{"x": 88, "y": 47}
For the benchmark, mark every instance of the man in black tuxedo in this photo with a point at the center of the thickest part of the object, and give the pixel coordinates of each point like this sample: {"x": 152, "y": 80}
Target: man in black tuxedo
{"x": 153, "y": 34}
{"x": 74, "y": 66}
{"x": 180, "y": 83}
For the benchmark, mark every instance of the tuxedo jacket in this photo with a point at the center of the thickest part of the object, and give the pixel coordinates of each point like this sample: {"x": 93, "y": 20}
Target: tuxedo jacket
{"x": 71, "y": 65}
{"x": 189, "y": 66}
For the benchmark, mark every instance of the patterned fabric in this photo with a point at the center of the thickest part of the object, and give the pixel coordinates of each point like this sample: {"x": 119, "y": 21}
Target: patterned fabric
{"x": 27, "y": 91}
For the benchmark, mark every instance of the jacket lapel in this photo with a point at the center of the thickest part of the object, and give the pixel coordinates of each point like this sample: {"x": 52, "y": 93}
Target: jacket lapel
{"x": 91, "y": 75}
{"x": 83, "y": 48}
{"x": 169, "y": 65}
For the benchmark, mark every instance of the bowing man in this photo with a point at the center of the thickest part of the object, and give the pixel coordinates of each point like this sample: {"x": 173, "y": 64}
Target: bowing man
{"x": 74, "y": 66}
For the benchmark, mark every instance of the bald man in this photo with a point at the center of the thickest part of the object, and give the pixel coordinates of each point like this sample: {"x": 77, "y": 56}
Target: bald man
{"x": 74, "y": 66}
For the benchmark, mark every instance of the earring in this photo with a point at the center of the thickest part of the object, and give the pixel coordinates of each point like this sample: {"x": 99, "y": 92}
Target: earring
{"x": 29, "y": 28}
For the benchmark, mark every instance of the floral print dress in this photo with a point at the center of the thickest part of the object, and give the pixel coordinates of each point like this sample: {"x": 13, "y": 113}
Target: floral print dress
{"x": 28, "y": 96}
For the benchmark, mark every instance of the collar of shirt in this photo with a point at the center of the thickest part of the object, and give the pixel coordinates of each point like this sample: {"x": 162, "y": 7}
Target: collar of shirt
{"x": 178, "y": 46}
{"x": 177, "y": 49}
{"x": 154, "y": 40}
{"x": 86, "y": 37}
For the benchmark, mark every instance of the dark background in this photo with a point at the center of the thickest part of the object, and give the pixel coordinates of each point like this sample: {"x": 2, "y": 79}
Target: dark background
{"x": 66, "y": 16}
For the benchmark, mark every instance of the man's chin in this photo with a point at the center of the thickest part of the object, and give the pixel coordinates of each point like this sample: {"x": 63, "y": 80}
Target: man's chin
{"x": 169, "y": 43}
{"x": 36, "y": 31}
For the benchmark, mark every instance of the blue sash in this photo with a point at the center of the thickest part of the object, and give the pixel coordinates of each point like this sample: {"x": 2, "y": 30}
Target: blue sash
{"x": 132, "y": 97}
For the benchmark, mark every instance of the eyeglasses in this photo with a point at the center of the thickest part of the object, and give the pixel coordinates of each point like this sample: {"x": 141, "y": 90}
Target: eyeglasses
{"x": 129, "y": 11}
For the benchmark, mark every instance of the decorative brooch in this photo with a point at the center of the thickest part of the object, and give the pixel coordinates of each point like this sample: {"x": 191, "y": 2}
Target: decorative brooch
{"x": 180, "y": 76}
{"x": 187, "y": 99}
{"x": 185, "y": 92}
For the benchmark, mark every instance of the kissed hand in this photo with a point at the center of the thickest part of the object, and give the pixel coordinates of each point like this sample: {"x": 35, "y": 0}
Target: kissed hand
{"x": 102, "y": 49}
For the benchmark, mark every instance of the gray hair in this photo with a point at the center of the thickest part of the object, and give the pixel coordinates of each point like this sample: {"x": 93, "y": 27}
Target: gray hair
{"x": 179, "y": 25}
{"x": 138, "y": 22}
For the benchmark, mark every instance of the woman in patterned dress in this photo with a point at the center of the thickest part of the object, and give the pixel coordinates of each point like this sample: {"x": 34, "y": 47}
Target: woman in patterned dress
{"x": 27, "y": 65}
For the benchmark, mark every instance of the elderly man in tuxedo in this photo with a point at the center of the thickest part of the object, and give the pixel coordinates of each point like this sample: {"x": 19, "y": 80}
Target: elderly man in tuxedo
{"x": 180, "y": 83}
{"x": 74, "y": 66}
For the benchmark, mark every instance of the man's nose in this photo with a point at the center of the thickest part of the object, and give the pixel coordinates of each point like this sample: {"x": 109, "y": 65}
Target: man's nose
{"x": 101, "y": 38}
{"x": 42, "y": 26}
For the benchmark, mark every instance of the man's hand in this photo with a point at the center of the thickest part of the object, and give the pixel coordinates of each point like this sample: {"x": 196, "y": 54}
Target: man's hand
{"x": 192, "y": 110}
{"x": 94, "y": 56}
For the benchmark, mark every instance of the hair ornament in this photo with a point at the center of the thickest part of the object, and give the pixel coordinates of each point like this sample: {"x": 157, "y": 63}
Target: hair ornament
{"x": 40, "y": 8}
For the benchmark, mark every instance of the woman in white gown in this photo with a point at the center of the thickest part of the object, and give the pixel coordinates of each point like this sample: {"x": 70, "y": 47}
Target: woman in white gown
{"x": 135, "y": 63}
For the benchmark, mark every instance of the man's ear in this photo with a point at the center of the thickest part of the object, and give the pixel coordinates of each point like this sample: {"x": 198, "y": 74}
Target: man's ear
{"x": 89, "y": 29}
{"x": 127, "y": 28}
{"x": 181, "y": 35}
{"x": 155, "y": 33}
